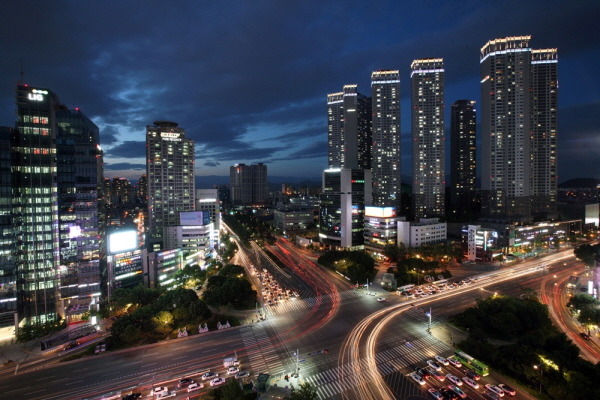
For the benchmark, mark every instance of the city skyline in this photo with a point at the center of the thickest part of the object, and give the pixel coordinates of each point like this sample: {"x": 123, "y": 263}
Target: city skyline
{"x": 253, "y": 92}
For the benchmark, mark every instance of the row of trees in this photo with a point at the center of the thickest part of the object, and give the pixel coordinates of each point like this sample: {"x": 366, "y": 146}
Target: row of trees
{"x": 248, "y": 227}
{"x": 529, "y": 339}
{"x": 233, "y": 391}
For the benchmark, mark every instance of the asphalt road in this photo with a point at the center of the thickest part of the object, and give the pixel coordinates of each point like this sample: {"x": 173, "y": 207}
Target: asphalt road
{"x": 311, "y": 324}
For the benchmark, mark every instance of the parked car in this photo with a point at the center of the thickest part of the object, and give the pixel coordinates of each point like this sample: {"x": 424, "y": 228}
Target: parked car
{"x": 454, "y": 379}
{"x": 159, "y": 391}
{"x": 417, "y": 378}
{"x": 232, "y": 370}
{"x": 185, "y": 382}
{"x": 455, "y": 363}
{"x": 209, "y": 375}
{"x": 434, "y": 365}
{"x": 441, "y": 360}
{"x": 423, "y": 372}
{"x": 242, "y": 374}
{"x": 471, "y": 382}
{"x": 473, "y": 375}
{"x": 217, "y": 382}
{"x": 507, "y": 389}
{"x": 495, "y": 389}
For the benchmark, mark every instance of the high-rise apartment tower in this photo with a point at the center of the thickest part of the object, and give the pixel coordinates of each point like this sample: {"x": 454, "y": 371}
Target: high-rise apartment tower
{"x": 519, "y": 93}
{"x": 429, "y": 153}
{"x": 386, "y": 165}
{"x": 170, "y": 170}
{"x": 349, "y": 129}
{"x": 463, "y": 157}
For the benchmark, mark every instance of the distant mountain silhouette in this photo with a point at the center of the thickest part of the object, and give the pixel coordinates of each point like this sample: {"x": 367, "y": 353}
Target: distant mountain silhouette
{"x": 580, "y": 183}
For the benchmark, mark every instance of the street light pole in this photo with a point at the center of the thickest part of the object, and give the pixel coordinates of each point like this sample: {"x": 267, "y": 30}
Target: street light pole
{"x": 540, "y": 367}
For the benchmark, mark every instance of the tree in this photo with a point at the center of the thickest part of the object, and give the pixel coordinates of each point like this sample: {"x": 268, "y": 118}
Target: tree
{"x": 131, "y": 334}
{"x": 305, "y": 392}
{"x": 163, "y": 321}
{"x": 587, "y": 254}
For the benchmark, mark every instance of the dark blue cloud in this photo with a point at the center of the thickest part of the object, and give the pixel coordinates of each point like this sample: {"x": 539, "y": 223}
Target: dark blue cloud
{"x": 223, "y": 70}
{"x": 124, "y": 167}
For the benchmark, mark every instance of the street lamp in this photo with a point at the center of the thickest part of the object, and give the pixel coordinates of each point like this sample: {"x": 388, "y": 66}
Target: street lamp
{"x": 540, "y": 367}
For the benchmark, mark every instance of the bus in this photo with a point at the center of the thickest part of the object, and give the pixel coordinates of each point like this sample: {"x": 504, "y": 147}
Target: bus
{"x": 472, "y": 363}
{"x": 405, "y": 288}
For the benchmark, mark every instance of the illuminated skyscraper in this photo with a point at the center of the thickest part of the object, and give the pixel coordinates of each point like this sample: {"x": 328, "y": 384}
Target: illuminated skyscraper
{"x": 429, "y": 153}
{"x": 349, "y": 129}
{"x": 385, "y": 92}
{"x": 170, "y": 170}
{"x": 462, "y": 156}
{"x": 35, "y": 205}
{"x": 519, "y": 90}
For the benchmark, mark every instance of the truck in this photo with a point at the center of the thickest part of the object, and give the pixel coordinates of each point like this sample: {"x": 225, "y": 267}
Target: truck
{"x": 231, "y": 362}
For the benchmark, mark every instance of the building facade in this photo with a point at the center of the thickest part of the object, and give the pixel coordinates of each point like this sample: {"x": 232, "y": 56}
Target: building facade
{"x": 381, "y": 228}
{"x": 171, "y": 182}
{"x": 349, "y": 129}
{"x": 463, "y": 157}
{"x": 386, "y": 165}
{"x": 8, "y": 279}
{"x": 80, "y": 212}
{"x": 35, "y": 205}
{"x": 519, "y": 91}
{"x": 429, "y": 146}
{"x": 248, "y": 184}
{"x": 425, "y": 231}
{"x": 344, "y": 196}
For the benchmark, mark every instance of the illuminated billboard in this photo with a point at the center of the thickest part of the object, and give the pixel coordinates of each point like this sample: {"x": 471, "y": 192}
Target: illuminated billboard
{"x": 121, "y": 241}
{"x": 195, "y": 218}
{"x": 380, "y": 212}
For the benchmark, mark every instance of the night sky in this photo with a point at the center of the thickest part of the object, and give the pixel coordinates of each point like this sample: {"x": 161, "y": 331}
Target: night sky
{"x": 248, "y": 79}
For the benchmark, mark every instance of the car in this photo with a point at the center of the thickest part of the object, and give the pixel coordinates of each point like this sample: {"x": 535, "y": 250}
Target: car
{"x": 449, "y": 394}
{"x": 232, "y": 370}
{"x": 507, "y": 389}
{"x": 491, "y": 395}
{"x": 159, "y": 391}
{"x": 209, "y": 375}
{"x": 441, "y": 360}
{"x": 470, "y": 382}
{"x": 455, "y": 363}
{"x": 185, "y": 382}
{"x": 417, "y": 378}
{"x": 423, "y": 372}
{"x": 585, "y": 336}
{"x": 473, "y": 375}
{"x": 71, "y": 345}
{"x": 454, "y": 379}
{"x": 381, "y": 299}
{"x": 435, "y": 394}
{"x": 436, "y": 374}
{"x": 495, "y": 389}
{"x": 217, "y": 382}
{"x": 242, "y": 374}
{"x": 434, "y": 365}
{"x": 195, "y": 386}
{"x": 458, "y": 391}
{"x": 132, "y": 396}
